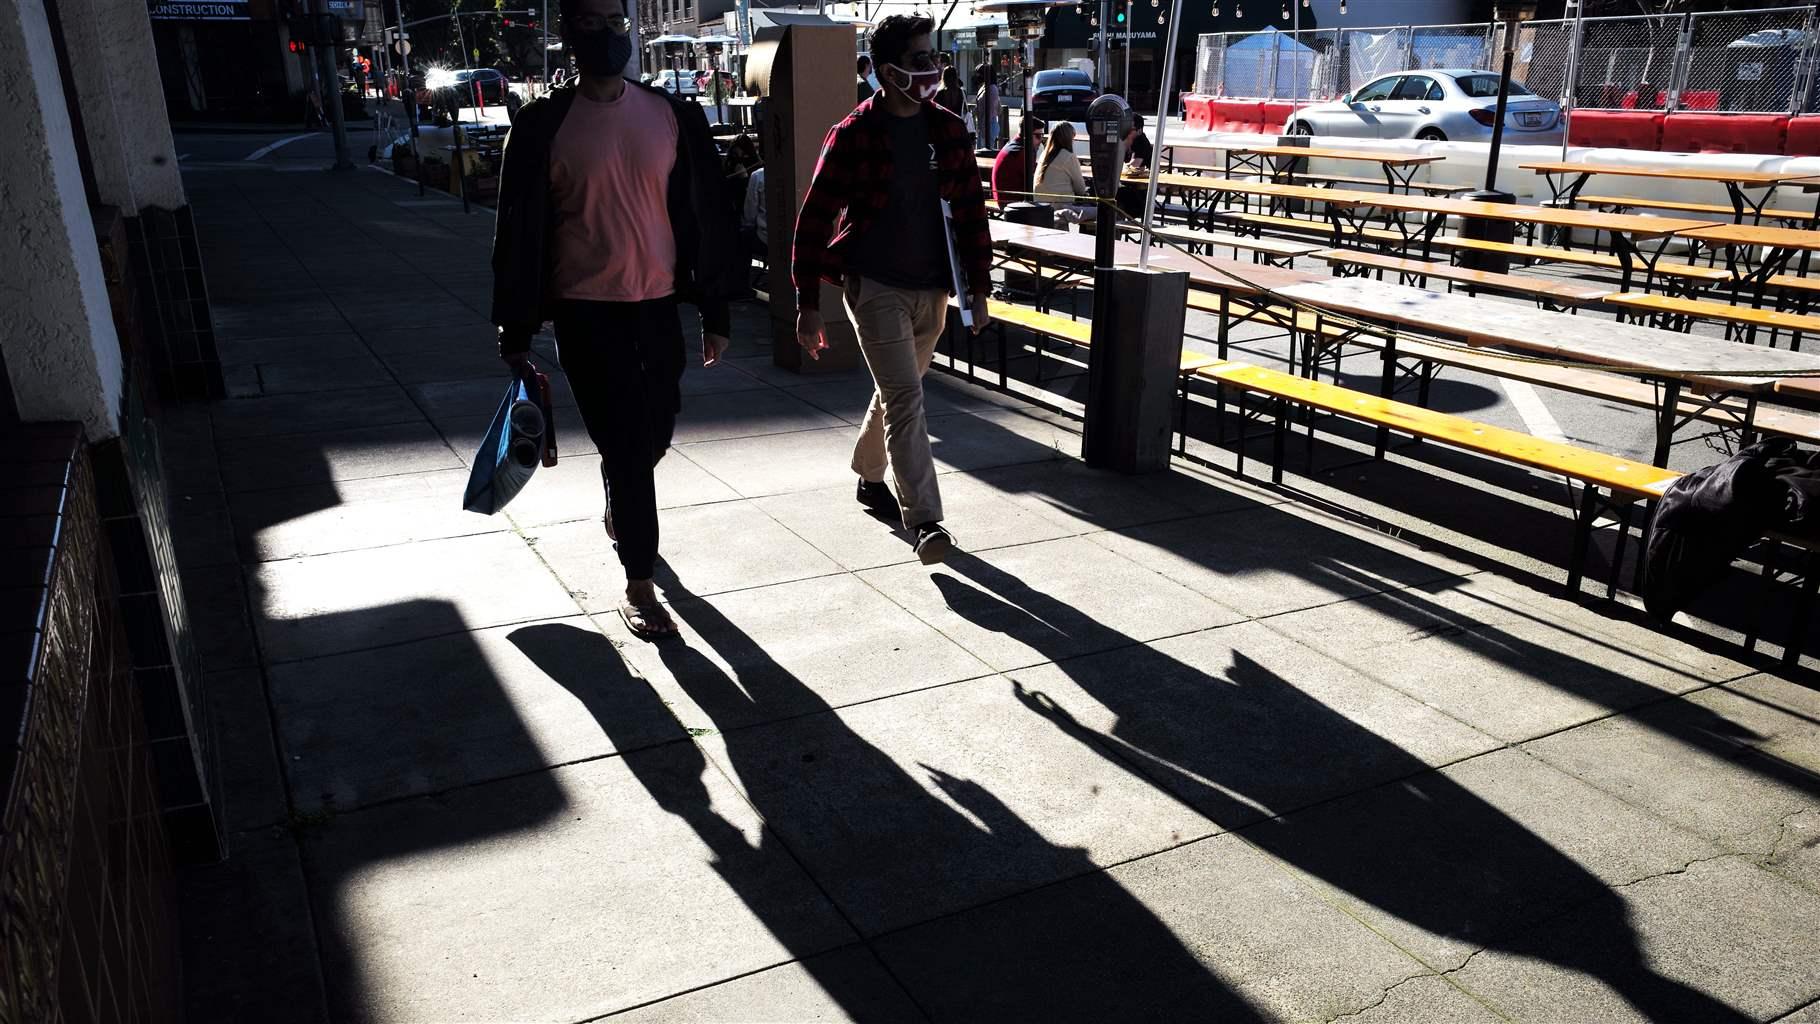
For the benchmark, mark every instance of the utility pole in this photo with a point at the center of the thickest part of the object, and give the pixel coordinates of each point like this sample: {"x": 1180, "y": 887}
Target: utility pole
{"x": 544, "y": 82}
{"x": 461, "y": 40}
{"x": 325, "y": 63}
{"x": 1101, "y": 58}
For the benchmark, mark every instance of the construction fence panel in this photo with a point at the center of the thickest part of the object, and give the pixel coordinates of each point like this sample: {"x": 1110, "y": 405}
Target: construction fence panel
{"x": 1748, "y": 61}
{"x": 1756, "y": 61}
{"x": 1366, "y": 53}
{"x": 1210, "y": 64}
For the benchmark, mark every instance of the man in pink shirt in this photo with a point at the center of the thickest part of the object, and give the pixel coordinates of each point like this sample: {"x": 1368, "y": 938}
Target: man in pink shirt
{"x": 612, "y": 211}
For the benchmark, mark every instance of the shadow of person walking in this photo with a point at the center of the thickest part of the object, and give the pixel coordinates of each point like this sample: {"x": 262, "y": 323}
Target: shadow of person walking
{"x": 885, "y": 845}
{"x": 1246, "y": 746}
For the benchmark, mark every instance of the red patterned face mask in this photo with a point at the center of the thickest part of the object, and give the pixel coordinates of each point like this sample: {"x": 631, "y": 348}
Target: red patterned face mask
{"x": 923, "y": 84}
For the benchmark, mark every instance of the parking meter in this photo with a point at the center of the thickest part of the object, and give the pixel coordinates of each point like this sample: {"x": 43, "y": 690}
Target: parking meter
{"x": 1109, "y": 126}
{"x": 1109, "y": 129}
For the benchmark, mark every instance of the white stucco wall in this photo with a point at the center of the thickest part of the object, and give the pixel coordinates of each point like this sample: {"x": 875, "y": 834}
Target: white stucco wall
{"x": 61, "y": 350}
{"x": 123, "y": 112}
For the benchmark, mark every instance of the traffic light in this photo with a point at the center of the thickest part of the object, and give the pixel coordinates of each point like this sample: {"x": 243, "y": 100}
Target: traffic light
{"x": 1119, "y": 13}
{"x": 299, "y": 46}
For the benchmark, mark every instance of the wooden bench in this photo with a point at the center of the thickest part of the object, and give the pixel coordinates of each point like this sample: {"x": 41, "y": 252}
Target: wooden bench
{"x": 1549, "y": 294}
{"x": 1623, "y": 481}
{"x": 1259, "y": 221}
{"x": 1078, "y": 333}
{"x": 1265, "y": 249}
{"x": 1427, "y": 357}
{"x": 1584, "y": 258}
{"x": 1346, "y": 179}
{"x": 1604, "y": 386}
{"x": 1741, "y": 322}
{"x": 1303, "y": 177}
{"x": 1628, "y": 203}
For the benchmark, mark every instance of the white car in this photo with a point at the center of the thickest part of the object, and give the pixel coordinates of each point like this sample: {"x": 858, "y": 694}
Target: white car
{"x": 1436, "y": 104}
{"x": 677, "y": 83}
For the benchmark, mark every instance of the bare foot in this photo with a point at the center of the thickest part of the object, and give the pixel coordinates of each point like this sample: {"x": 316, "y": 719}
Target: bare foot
{"x": 644, "y": 614}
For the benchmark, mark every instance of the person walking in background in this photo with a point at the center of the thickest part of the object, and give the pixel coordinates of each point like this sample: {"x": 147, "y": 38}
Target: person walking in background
{"x": 952, "y": 96}
{"x": 612, "y": 209}
{"x": 872, "y": 223}
{"x": 985, "y": 106}
{"x": 867, "y": 85}
{"x": 1059, "y": 181}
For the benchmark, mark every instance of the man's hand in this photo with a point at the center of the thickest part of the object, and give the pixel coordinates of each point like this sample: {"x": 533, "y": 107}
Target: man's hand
{"x": 713, "y": 346}
{"x": 809, "y": 332}
{"x": 981, "y": 317}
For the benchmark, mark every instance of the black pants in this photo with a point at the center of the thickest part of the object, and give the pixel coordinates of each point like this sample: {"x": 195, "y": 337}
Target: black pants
{"x": 625, "y": 364}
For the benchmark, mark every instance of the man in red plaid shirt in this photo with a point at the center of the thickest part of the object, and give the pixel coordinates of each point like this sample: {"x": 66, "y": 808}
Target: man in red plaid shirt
{"x": 872, "y": 223}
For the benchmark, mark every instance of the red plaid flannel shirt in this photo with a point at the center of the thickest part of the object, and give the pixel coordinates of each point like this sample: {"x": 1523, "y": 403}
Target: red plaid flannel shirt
{"x": 852, "y": 184}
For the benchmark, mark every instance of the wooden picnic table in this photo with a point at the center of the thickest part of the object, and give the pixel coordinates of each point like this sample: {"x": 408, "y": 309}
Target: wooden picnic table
{"x": 1573, "y": 176}
{"x": 1399, "y": 168}
{"x": 1711, "y": 367}
{"x": 1211, "y": 272}
{"x": 1782, "y": 246}
{"x": 1345, "y": 205}
{"x": 1037, "y": 248}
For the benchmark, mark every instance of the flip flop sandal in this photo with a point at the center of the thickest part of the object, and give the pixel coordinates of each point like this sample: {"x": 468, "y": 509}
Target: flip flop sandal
{"x": 645, "y": 611}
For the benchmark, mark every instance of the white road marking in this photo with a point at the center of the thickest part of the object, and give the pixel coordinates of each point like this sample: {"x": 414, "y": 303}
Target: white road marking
{"x": 1537, "y": 420}
{"x": 263, "y": 150}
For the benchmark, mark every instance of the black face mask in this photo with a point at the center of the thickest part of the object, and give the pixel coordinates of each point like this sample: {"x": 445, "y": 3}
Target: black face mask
{"x": 601, "y": 53}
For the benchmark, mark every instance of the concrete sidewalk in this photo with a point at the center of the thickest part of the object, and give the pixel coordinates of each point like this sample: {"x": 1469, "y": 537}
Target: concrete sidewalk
{"x": 1165, "y": 748}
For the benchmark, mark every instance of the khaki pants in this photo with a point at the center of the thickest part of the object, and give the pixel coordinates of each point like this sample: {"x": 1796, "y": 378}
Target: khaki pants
{"x": 898, "y": 329}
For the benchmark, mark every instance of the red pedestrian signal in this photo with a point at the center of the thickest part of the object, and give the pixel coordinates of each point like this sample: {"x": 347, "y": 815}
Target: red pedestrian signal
{"x": 299, "y": 46}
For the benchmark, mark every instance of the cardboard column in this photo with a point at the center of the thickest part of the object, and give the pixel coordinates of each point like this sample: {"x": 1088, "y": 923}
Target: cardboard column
{"x": 805, "y": 74}
{"x": 1132, "y": 371}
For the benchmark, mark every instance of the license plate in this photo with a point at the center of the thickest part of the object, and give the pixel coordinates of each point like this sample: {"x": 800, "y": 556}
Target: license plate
{"x": 1530, "y": 120}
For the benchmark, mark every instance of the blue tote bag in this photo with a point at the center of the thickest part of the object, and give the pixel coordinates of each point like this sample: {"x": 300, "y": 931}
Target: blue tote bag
{"x": 521, "y": 436}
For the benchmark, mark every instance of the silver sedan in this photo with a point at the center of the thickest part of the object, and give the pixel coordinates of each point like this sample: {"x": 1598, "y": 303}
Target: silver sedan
{"x": 1437, "y": 104}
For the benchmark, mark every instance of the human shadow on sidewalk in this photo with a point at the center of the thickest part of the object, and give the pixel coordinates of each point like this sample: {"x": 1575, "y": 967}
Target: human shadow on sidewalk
{"x": 869, "y": 832}
{"x": 1241, "y": 744}
{"x": 1251, "y": 539}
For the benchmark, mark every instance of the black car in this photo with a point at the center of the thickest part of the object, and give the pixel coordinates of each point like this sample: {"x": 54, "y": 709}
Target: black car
{"x": 1062, "y": 94}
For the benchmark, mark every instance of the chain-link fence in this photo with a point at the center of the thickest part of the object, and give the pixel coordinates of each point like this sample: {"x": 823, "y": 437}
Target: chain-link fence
{"x": 1761, "y": 61}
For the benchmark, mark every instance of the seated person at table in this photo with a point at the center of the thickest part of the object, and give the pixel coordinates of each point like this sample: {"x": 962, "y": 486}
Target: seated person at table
{"x": 1059, "y": 179}
{"x": 742, "y": 158}
{"x": 752, "y": 216}
{"x": 1008, "y": 174}
{"x": 1131, "y": 197}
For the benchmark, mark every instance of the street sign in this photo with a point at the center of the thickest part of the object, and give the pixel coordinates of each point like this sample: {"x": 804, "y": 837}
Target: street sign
{"x": 200, "y": 10}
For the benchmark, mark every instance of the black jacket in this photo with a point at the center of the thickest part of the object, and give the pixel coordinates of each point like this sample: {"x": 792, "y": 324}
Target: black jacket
{"x": 710, "y": 262}
{"x": 1708, "y": 517}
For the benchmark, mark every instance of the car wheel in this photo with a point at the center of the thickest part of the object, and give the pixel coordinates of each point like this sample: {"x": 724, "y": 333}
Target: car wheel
{"x": 1302, "y": 128}
{"x": 1431, "y": 135}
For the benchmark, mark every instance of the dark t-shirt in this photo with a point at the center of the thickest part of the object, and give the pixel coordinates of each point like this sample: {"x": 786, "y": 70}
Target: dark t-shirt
{"x": 1140, "y": 148}
{"x": 905, "y": 247}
